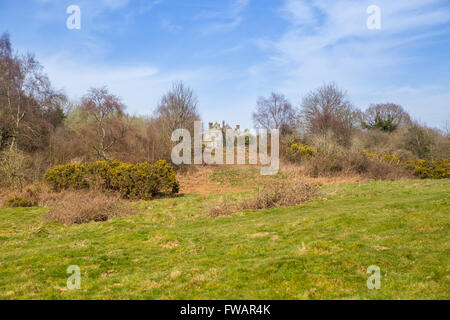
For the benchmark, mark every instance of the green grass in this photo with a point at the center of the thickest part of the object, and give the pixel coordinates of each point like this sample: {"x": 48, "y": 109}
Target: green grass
{"x": 235, "y": 176}
{"x": 173, "y": 251}
{"x": 247, "y": 177}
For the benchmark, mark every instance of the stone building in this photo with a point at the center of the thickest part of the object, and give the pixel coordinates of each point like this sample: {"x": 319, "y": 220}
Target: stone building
{"x": 216, "y": 131}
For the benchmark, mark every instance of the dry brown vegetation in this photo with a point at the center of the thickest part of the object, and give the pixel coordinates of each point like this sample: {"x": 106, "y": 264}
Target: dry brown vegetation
{"x": 84, "y": 207}
{"x": 351, "y": 163}
{"x": 275, "y": 194}
{"x": 69, "y": 206}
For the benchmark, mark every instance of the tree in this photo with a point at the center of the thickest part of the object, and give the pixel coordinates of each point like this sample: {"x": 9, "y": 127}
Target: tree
{"x": 29, "y": 107}
{"x": 107, "y": 111}
{"x": 418, "y": 141}
{"x": 275, "y": 112}
{"x": 385, "y": 117}
{"x": 177, "y": 110}
{"x": 328, "y": 109}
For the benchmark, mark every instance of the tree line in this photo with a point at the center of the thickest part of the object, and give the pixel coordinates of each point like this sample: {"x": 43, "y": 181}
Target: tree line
{"x": 41, "y": 127}
{"x": 328, "y": 112}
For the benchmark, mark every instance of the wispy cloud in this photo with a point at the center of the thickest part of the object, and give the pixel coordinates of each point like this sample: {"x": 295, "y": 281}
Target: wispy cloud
{"x": 168, "y": 25}
{"x": 300, "y": 44}
{"x": 140, "y": 85}
{"x": 225, "y": 20}
{"x": 238, "y": 6}
{"x": 328, "y": 40}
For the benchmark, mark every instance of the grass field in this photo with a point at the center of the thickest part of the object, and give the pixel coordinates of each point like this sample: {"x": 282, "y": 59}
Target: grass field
{"x": 173, "y": 250}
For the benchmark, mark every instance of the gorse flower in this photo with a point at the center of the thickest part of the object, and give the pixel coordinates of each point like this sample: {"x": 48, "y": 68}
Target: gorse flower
{"x": 132, "y": 181}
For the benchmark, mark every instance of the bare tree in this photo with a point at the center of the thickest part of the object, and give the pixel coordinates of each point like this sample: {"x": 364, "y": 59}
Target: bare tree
{"x": 177, "y": 110}
{"x": 275, "y": 112}
{"x": 385, "y": 117}
{"x": 328, "y": 109}
{"x": 419, "y": 140}
{"x": 107, "y": 111}
{"x": 29, "y": 106}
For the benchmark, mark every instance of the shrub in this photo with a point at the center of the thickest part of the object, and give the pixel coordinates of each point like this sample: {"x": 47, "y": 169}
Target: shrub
{"x": 28, "y": 198}
{"x": 384, "y": 167}
{"x": 380, "y": 170}
{"x": 387, "y": 158}
{"x": 424, "y": 169}
{"x": 71, "y": 175}
{"x": 325, "y": 164}
{"x": 281, "y": 194}
{"x": 419, "y": 141}
{"x": 271, "y": 195}
{"x": 297, "y": 152}
{"x": 430, "y": 169}
{"x": 143, "y": 180}
{"x": 345, "y": 162}
{"x": 17, "y": 201}
{"x": 15, "y": 170}
{"x": 132, "y": 181}
{"x": 86, "y": 206}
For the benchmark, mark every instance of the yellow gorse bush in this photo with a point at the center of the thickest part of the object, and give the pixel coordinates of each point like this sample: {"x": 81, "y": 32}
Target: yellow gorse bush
{"x": 132, "y": 181}
{"x": 430, "y": 169}
{"x": 298, "y": 152}
{"x": 384, "y": 157}
{"x": 424, "y": 169}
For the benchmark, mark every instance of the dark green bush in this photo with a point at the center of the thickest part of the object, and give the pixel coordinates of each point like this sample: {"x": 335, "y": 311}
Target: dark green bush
{"x": 132, "y": 181}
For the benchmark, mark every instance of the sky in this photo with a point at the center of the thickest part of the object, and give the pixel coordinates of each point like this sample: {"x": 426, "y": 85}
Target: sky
{"x": 230, "y": 52}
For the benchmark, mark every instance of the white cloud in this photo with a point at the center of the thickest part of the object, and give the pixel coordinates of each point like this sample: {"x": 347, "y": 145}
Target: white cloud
{"x": 327, "y": 40}
{"x": 140, "y": 86}
{"x": 168, "y": 25}
{"x": 238, "y": 6}
{"x": 299, "y": 12}
{"x": 226, "y": 20}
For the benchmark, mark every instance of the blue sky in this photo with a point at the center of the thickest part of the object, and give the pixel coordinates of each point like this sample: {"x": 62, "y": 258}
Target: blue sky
{"x": 233, "y": 51}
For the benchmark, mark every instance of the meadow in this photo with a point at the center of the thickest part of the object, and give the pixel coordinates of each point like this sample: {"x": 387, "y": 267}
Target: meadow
{"x": 97, "y": 180}
{"x": 171, "y": 248}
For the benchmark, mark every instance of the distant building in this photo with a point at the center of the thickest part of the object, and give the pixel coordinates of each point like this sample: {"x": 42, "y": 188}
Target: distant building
{"x": 215, "y": 132}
